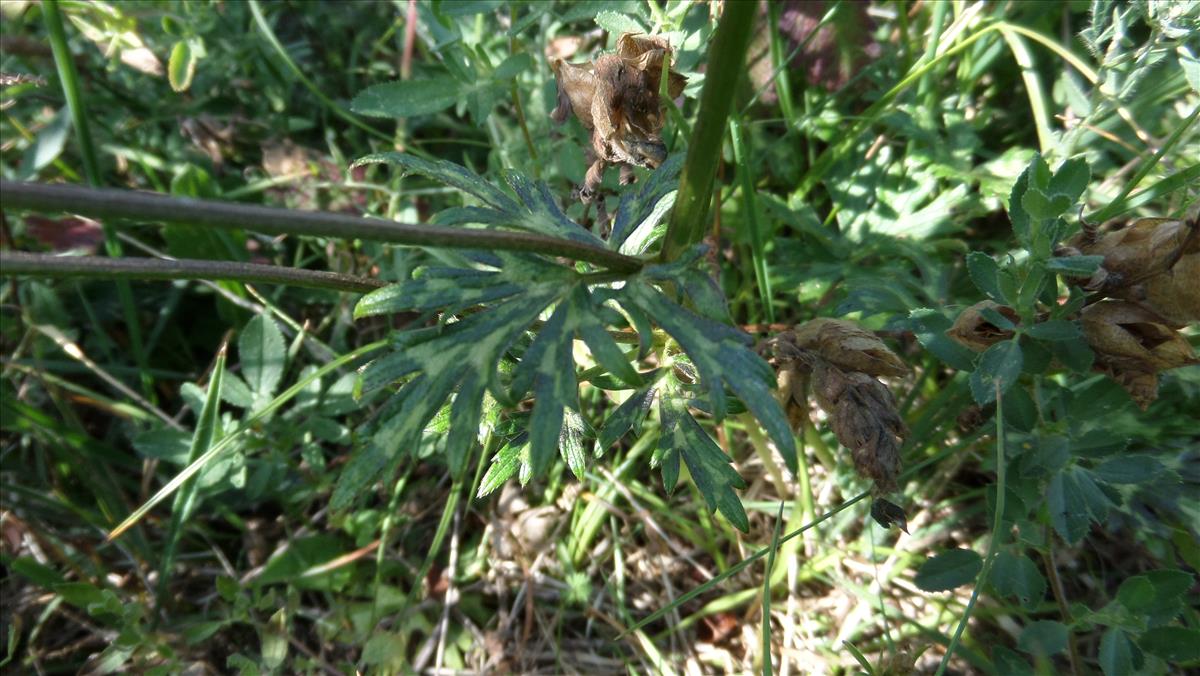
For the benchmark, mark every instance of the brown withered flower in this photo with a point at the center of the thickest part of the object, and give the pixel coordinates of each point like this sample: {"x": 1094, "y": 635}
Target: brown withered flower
{"x": 1172, "y": 288}
{"x": 862, "y": 412}
{"x": 974, "y": 331}
{"x": 1148, "y": 247}
{"x": 1133, "y": 344}
{"x": 849, "y": 346}
{"x": 616, "y": 97}
{"x": 1175, "y": 294}
{"x": 839, "y": 359}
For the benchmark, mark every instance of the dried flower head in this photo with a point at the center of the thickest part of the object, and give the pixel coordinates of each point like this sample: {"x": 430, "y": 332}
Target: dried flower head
{"x": 849, "y": 346}
{"x": 1148, "y": 247}
{"x": 839, "y": 359}
{"x": 974, "y": 330}
{"x": 616, "y": 97}
{"x": 863, "y": 415}
{"x": 1133, "y": 344}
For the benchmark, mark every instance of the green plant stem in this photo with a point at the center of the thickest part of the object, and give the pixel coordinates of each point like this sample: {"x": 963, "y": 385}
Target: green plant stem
{"x": 745, "y": 177}
{"x": 65, "y": 65}
{"x": 997, "y": 525}
{"x": 340, "y": 111}
{"x": 138, "y": 206}
{"x": 16, "y": 263}
{"x": 726, "y": 61}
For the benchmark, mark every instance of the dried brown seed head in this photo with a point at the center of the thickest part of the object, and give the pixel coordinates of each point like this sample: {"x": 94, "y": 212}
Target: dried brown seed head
{"x": 849, "y": 346}
{"x": 1132, "y": 345}
{"x": 616, "y": 97}
{"x": 1175, "y": 294}
{"x": 974, "y": 331}
{"x": 1143, "y": 250}
{"x": 576, "y": 89}
{"x": 1126, "y": 333}
{"x": 864, "y": 419}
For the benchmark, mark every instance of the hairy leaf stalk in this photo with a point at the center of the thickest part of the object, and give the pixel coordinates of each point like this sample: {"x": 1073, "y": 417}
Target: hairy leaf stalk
{"x": 138, "y": 206}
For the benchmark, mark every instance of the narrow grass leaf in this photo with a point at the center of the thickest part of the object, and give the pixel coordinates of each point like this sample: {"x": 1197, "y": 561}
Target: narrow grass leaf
{"x": 185, "y": 500}
{"x": 229, "y": 439}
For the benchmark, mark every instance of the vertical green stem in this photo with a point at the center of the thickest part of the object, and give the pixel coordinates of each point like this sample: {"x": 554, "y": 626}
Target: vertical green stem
{"x": 745, "y": 177}
{"x": 726, "y": 61}
{"x": 70, "y": 84}
{"x": 997, "y": 524}
{"x": 65, "y": 65}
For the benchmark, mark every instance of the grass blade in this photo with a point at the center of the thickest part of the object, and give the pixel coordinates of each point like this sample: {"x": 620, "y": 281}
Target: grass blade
{"x": 249, "y": 424}
{"x": 745, "y": 175}
{"x": 767, "y": 670}
{"x": 185, "y": 499}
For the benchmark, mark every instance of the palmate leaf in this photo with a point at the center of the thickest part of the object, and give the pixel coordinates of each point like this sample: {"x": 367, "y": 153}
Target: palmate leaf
{"x": 722, "y": 355}
{"x": 449, "y": 173}
{"x": 445, "y": 371}
{"x": 710, "y": 468}
{"x": 542, "y": 214}
{"x": 640, "y": 211}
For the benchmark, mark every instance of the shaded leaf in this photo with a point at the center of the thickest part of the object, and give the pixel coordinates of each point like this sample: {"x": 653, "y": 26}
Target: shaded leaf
{"x": 1000, "y": 365}
{"x": 1075, "y": 266}
{"x": 1174, "y": 644}
{"x": 1118, "y": 654}
{"x": 1044, "y": 637}
{"x": 1055, "y": 329}
{"x": 948, "y": 570}
{"x": 930, "y": 328}
{"x": 1130, "y": 469}
{"x": 628, "y": 416}
{"x": 1016, "y": 575}
{"x": 985, "y": 273}
{"x": 407, "y": 98}
{"x": 1071, "y": 179}
{"x": 262, "y": 353}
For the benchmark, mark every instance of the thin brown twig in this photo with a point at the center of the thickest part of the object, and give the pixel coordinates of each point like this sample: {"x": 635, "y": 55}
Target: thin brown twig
{"x": 1060, "y": 596}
